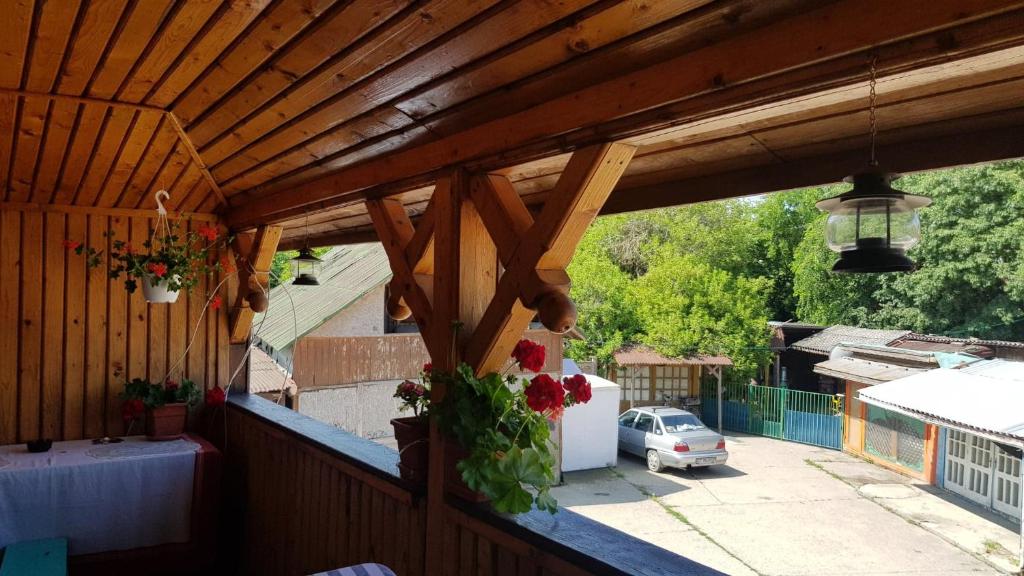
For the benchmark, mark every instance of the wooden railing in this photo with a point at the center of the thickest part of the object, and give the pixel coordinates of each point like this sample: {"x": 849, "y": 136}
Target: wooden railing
{"x": 305, "y": 497}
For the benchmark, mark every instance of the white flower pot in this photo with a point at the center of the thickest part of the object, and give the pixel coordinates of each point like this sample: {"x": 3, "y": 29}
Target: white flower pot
{"x": 158, "y": 293}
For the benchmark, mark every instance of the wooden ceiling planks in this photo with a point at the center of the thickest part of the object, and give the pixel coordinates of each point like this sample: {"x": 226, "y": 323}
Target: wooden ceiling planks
{"x": 286, "y": 106}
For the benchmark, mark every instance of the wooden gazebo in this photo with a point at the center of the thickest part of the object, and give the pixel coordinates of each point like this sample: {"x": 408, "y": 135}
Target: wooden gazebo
{"x": 477, "y": 140}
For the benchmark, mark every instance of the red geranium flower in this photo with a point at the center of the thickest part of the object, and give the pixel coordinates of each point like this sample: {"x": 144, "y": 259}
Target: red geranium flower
{"x": 129, "y": 249}
{"x": 216, "y": 302}
{"x": 71, "y": 244}
{"x": 428, "y": 367}
{"x": 529, "y": 355}
{"x": 158, "y": 269}
{"x": 226, "y": 265}
{"x": 170, "y": 385}
{"x": 215, "y": 396}
{"x": 544, "y": 393}
{"x": 208, "y": 232}
{"x": 132, "y": 409}
{"x": 578, "y": 388}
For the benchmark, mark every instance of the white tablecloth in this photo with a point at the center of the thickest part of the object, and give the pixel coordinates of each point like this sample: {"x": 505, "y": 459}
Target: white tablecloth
{"x": 100, "y": 497}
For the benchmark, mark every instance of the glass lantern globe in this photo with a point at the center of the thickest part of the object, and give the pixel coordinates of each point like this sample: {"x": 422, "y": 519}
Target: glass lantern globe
{"x": 873, "y": 225}
{"x": 306, "y": 268}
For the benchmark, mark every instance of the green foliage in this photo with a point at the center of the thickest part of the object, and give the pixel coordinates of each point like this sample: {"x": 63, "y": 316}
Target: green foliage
{"x": 686, "y": 306}
{"x": 156, "y": 395}
{"x": 509, "y": 456}
{"x": 970, "y": 280}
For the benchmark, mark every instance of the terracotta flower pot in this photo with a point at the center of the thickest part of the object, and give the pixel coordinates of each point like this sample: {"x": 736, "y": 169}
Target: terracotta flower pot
{"x": 453, "y": 454}
{"x": 158, "y": 293}
{"x": 413, "y": 437}
{"x": 166, "y": 422}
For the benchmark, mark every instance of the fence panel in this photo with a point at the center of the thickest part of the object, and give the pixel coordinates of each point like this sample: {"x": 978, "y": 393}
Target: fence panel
{"x": 807, "y": 417}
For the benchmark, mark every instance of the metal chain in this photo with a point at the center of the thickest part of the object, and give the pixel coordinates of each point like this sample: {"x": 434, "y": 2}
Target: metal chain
{"x": 871, "y": 109}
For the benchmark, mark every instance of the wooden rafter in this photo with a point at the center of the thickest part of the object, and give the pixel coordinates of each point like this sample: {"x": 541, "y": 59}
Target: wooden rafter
{"x": 631, "y": 102}
{"x": 254, "y": 254}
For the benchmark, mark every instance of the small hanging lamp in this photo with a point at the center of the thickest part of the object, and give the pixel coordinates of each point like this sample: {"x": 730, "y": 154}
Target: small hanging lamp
{"x": 306, "y": 266}
{"x": 873, "y": 225}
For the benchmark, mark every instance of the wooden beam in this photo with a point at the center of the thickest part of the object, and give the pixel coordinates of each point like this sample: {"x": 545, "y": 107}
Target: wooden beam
{"x": 810, "y": 38}
{"x": 254, "y": 255}
{"x": 396, "y": 231}
{"x": 92, "y": 210}
{"x": 585, "y": 184}
{"x": 924, "y": 152}
{"x": 196, "y": 158}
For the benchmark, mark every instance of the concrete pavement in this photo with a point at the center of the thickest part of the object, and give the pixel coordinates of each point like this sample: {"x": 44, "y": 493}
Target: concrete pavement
{"x": 781, "y": 508}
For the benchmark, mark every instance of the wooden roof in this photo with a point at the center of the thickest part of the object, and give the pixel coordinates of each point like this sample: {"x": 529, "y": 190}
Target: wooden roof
{"x": 639, "y": 355}
{"x": 268, "y": 111}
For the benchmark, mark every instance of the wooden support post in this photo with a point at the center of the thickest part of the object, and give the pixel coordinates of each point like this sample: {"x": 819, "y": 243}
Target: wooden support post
{"x": 471, "y": 315}
{"x": 254, "y": 255}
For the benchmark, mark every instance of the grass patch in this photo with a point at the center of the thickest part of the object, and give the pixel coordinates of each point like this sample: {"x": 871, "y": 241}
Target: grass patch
{"x": 995, "y": 548}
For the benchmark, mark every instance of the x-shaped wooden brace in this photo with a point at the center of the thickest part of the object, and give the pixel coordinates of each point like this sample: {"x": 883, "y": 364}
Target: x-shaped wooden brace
{"x": 411, "y": 255}
{"x": 535, "y": 252}
{"x": 253, "y": 255}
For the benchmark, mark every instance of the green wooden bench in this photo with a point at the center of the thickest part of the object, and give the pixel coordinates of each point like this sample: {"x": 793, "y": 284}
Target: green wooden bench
{"x": 37, "y": 558}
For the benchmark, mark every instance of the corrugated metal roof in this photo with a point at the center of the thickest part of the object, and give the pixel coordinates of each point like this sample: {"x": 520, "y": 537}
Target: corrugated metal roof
{"x": 865, "y": 371}
{"x": 348, "y": 273}
{"x": 638, "y": 355}
{"x": 950, "y": 339}
{"x": 823, "y": 342}
{"x": 265, "y": 375}
{"x": 979, "y": 398}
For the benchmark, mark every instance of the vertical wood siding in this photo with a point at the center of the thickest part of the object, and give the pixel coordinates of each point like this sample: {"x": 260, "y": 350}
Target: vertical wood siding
{"x": 63, "y": 328}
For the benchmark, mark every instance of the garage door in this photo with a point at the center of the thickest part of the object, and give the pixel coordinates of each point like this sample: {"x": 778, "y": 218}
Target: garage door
{"x": 980, "y": 470}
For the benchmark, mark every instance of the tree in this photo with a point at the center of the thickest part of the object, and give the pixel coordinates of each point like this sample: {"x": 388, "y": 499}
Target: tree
{"x": 970, "y": 262}
{"x": 685, "y": 306}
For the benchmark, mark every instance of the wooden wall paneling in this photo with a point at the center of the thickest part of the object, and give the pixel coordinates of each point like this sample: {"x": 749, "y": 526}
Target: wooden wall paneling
{"x": 53, "y": 324}
{"x": 90, "y": 39}
{"x": 227, "y": 295}
{"x": 231, "y": 22}
{"x": 14, "y": 32}
{"x": 217, "y": 137}
{"x": 197, "y": 349}
{"x": 63, "y": 116}
{"x": 96, "y": 367}
{"x": 138, "y": 313}
{"x": 31, "y": 123}
{"x": 274, "y": 29}
{"x": 50, "y": 40}
{"x": 499, "y": 29}
{"x": 74, "y": 331}
{"x": 174, "y": 37}
{"x": 10, "y": 240}
{"x": 31, "y": 327}
{"x": 124, "y": 156}
{"x": 80, "y": 149}
{"x": 117, "y": 334}
{"x": 615, "y": 22}
{"x": 105, "y": 171}
{"x": 131, "y": 40}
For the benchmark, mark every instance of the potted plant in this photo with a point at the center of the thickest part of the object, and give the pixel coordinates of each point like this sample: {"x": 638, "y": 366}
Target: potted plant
{"x": 500, "y": 426}
{"x": 164, "y": 407}
{"x": 170, "y": 261}
{"x": 412, "y": 433}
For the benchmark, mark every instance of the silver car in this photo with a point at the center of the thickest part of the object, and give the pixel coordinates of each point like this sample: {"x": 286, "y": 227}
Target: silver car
{"x": 670, "y": 437}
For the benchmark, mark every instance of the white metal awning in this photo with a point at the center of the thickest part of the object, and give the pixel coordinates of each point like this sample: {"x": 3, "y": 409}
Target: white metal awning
{"x": 978, "y": 403}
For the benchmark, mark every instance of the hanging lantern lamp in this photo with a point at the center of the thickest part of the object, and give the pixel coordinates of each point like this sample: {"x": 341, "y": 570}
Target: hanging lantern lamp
{"x": 306, "y": 267}
{"x": 873, "y": 225}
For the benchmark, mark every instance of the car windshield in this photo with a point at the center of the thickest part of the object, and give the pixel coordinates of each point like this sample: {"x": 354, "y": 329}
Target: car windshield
{"x": 681, "y": 423}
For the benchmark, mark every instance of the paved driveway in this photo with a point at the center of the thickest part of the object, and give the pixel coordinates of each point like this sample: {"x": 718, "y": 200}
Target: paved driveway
{"x": 777, "y": 508}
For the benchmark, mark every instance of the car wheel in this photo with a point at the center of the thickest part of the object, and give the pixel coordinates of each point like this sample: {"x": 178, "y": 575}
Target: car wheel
{"x": 654, "y": 461}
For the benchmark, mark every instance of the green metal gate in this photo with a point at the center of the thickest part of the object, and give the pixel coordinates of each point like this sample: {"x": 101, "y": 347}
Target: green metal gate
{"x": 807, "y": 417}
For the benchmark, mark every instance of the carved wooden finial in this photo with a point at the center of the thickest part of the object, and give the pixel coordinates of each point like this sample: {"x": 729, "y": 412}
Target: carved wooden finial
{"x": 258, "y": 301}
{"x": 557, "y": 311}
{"x": 397, "y": 308}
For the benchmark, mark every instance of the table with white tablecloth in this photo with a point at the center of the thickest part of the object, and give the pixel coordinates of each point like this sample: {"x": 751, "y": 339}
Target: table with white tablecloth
{"x": 101, "y": 497}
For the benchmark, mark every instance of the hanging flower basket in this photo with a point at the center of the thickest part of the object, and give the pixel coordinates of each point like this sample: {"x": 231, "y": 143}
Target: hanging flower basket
{"x": 169, "y": 261}
{"x": 158, "y": 291}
